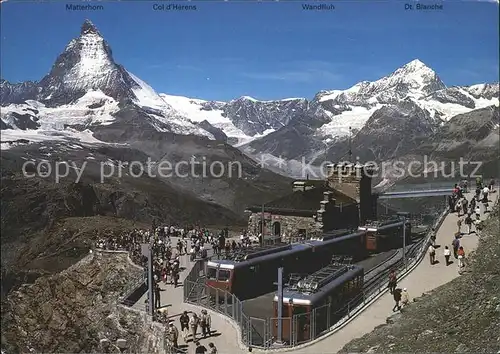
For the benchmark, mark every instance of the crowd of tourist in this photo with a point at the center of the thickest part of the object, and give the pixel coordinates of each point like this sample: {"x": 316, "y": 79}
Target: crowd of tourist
{"x": 168, "y": 244}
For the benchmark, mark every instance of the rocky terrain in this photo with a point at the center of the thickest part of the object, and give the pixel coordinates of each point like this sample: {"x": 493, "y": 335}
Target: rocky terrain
{"x": 47, "y": 225}
{"x": 458, "y": 317}
{"x": 71, "y": 312}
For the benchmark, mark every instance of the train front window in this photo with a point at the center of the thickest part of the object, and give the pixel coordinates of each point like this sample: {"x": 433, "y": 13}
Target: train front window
{"x": 211, "y": 273}
{"x": 223, "y": 275}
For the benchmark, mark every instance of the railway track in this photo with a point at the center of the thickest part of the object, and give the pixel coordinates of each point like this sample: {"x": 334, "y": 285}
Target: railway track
{"x": 378, "y": 273}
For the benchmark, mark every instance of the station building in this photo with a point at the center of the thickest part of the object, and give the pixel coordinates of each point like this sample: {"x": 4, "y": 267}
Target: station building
{"x": 342, "y": 200}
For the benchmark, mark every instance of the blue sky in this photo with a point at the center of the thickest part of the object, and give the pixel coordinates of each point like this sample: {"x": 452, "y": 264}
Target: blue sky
{"x": 265, "y": 50}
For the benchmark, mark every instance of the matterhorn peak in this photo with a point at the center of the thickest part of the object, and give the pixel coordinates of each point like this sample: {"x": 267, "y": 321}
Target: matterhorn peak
{"x": 415, "y": 65}
{"x": 89, "y": 27}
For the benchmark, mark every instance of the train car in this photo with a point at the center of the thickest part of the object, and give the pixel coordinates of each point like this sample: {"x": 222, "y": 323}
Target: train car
{"x": 252, "y": 272}
{"x": 335, "y": 285}
{"x": 385, "y": 235}
{"x": 332, "y": 234}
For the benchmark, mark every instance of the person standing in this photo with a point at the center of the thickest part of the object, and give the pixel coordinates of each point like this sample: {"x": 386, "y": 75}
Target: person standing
{"x": 405, "y": 298}
{"x": 200, "y": 349}
{"x": 486, "y": 192}
{"x": 193, "y": 324}
{"x": 447, "y": 254}
{"x": 459, "y": 224}
{"x": 206, "y": 323}
{"x": 456, "y": 245}
{"x": 184, "y": 320}
{"x": 478, "y": 212}
{"x": 432, "y": 254}
{"x": 472, "y": 205}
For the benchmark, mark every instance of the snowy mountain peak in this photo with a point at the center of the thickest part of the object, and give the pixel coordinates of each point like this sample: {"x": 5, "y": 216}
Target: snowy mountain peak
{"x": 417, "y": 75}
{"x": 89, "y": 27}
{"x": 414, "y": 65}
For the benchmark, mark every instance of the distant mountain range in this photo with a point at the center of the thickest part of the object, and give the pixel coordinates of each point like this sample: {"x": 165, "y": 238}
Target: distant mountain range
{"x": 88, "y": 95}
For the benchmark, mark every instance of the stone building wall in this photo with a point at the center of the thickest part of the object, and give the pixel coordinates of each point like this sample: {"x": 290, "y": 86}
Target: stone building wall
{"x": 289, "y": 226}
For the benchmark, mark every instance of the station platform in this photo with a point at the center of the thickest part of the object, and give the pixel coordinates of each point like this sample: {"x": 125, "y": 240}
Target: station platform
{"x": 424, "y": 278}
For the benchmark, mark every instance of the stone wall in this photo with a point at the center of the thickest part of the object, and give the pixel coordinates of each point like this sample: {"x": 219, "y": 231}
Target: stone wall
{"x": 289, "y": 226}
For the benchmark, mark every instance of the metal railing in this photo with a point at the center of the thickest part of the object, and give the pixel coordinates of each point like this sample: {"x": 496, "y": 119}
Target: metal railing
{"x": 303, "y": 328}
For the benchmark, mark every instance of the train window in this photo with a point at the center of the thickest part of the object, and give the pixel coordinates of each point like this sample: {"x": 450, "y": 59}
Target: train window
{"x": 223, "y": 275}
{"x": 299, "y": 310}
{"x": 211, "y": 273}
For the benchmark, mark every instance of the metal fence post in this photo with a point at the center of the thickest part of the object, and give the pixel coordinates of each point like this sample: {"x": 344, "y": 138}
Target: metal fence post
{"x": 232, "y": 308}
{"x": 225, "y": 302}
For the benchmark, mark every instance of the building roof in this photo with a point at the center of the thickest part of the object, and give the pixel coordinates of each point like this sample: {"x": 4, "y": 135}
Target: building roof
{"x": 304, "y": 201}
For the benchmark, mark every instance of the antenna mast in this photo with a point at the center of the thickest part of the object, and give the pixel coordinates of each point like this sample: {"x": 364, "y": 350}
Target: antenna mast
{"x": 350, "y": 146}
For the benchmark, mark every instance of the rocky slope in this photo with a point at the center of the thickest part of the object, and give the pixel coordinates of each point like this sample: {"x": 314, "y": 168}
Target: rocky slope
{"x": 461, "y": 316}
{"x": 35, "y": 238}
{"x": 470, "y": 139}
{"x": 72, "y": 311}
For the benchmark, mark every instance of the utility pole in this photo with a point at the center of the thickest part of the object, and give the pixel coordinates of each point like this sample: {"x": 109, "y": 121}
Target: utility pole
{"x": 147, "y": 251}
{"x": 151, "y": 304}
{"x": 404, "y": 216}
{"x": 262, "y": 226}
{"x": 350, "y": 146}
{"x": 280, "y": 305}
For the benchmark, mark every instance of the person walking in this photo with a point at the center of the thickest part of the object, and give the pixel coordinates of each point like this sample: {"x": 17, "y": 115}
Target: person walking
{"x": 174, "y": 335}
{"x": 432, "y": 254}
{"x": 458, "y": 208}
{"x": 459, "y": 225}
{"x": 212, "y": 348}
{"x": 461, "y": 260}
{"x": 392, "y": 281}
{"x": 447, "y": 254}
{"x": 468, "y": 222}
{"x": 478, "y": 212}
{"x": 397, "y": 298}
{"x": 157, "y": 296}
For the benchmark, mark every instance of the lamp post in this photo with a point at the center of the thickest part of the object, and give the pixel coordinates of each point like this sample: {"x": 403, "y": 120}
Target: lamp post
{"x": 262, "y": 226}
{"x": 280, "y": 305}
{"x": 404, "y": 215}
